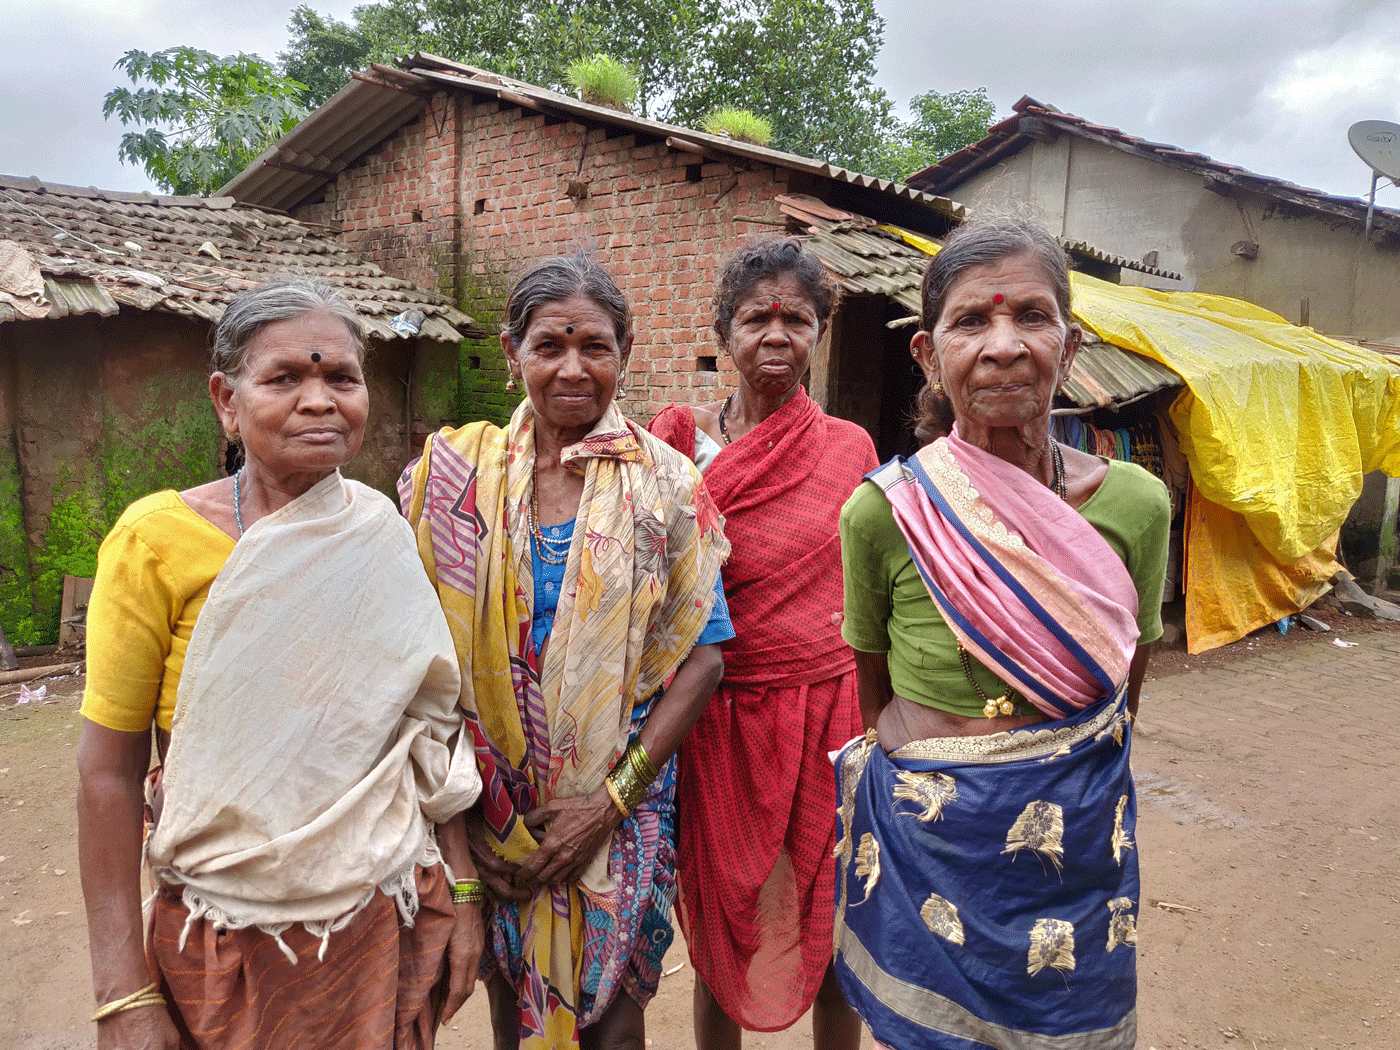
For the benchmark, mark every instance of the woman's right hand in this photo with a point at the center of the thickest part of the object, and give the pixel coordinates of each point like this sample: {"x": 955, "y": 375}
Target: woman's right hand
{"x": 149, "y": 1028}
{"x": 497, "y": 872}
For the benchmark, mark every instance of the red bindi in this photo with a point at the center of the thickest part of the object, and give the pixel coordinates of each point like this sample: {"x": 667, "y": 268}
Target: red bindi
{"x": 777, "y": 305}
{"x": 998, "y": 298}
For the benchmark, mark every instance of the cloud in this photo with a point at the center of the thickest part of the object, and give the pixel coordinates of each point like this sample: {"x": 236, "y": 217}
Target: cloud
{"x": 56, "y": 59}
{"x": 1269, "y": 88}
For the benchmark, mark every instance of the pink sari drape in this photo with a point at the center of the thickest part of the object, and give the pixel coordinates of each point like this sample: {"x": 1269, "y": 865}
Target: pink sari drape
{"x": 1029, "y": 587}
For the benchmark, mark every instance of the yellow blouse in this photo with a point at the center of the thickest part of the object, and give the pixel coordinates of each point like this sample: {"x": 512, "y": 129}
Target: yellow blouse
{"x": 154, "y": 571}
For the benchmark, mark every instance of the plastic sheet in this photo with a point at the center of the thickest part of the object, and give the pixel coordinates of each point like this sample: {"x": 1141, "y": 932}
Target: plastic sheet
{"x": 1234, "y": 585}
{"x": 1278, "y": 423}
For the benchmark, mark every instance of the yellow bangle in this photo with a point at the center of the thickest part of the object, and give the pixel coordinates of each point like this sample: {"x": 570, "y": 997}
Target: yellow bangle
{"x": 617, "y": 799}
{"x": 147, "y": 996}
{"x": 468, "y": 891}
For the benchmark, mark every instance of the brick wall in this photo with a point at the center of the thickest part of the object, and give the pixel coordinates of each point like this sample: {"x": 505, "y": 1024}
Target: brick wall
{"x": 528, "y": 186}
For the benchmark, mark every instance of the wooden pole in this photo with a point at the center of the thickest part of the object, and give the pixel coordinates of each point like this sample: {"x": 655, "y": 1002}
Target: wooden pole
{"x": 28, "y": 674}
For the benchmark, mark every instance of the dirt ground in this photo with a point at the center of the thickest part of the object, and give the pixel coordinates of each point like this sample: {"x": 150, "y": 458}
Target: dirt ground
{"x": 1269, "y": 838}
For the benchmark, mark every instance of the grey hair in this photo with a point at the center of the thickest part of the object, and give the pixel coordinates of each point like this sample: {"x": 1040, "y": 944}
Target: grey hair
{"x": 979, "y": 242}
{"x": 982, "y": 241}
{"x": 279, "y": 300}
{"x": 563, "y": 277}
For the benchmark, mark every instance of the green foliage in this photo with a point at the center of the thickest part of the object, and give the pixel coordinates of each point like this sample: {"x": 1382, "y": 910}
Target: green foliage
{"x": 530, "y": 40}
{"x": 603, "y": 81}
{"x": 16, "y": 590}
{"x": 69, "y": 548}
{"x": 740, "y": 124}
{"x": 204, "y": 117}
{"x": 942, "y": 124}
{"x": 178, "y": 448}
{"x": 807, "y": 66}
{"x": 322, "y": 54}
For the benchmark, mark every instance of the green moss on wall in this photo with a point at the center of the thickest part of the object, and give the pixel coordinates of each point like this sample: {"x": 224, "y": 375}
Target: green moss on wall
{"x": 482, "y": 371}
{"x": 176, "y": 447}
{"x": 16, "y": 582}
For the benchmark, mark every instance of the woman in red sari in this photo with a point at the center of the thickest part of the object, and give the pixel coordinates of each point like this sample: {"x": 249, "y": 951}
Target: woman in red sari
{"x": 757, "y": 795}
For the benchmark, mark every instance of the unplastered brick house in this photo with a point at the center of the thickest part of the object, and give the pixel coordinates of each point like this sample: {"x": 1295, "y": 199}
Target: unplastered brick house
{"x": 455, "y": 179}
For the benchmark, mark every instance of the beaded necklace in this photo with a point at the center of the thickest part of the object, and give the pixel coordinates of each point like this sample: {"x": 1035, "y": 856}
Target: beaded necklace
{"x": 724, "y": 409}
{"x": 238, "y": 502}
{"x": 552, "y": 551}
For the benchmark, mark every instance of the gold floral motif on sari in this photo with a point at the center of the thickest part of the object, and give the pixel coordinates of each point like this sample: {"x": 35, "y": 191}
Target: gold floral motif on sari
{"x": 941, "y": 916}
{"x": 1122, "y": 928}
{"x": 1122, "y": 841}
{"x": 932, "y": 791}
{"x": 868, "y": 863}
{"x": 1052, "y": 944}
{"x": 1041, "y": 829}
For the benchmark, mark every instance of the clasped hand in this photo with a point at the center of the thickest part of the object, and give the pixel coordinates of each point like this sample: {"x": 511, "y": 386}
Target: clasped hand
{"x": 574, "y": 830}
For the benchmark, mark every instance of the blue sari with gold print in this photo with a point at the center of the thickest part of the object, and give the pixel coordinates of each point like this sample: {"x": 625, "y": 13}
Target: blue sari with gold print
{"x": 987, "y": 886}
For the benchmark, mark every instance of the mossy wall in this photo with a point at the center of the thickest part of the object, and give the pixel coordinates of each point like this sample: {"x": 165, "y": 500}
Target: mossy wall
{"x": 96, "y": 413}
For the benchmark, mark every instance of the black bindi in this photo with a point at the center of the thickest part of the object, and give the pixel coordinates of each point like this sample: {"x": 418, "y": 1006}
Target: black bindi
{"x": 315, "y": 357}
{"x": 569, "y": 329}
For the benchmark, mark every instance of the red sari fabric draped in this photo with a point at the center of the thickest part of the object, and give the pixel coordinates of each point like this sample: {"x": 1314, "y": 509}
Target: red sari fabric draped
{"x": 757, "y": 796}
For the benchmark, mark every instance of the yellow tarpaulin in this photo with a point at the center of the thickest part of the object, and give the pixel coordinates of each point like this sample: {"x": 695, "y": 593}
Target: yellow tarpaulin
{"x": 1277, "y": 422}
{"x": 1233, "y": 585}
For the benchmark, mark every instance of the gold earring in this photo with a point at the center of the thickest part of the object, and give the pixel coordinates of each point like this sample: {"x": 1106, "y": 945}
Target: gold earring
{"x": 936, "y": 387}
{"x": 510, "y": 383}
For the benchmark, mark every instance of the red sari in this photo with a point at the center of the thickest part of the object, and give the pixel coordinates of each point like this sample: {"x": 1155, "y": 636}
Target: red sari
{"x": 757, "y": 796}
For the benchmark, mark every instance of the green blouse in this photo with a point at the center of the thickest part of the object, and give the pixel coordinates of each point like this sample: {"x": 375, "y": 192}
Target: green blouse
{"x": 888, "y": 608}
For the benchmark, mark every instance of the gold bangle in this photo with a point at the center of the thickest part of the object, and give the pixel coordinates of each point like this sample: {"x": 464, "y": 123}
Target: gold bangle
{"x": 641, "y": 762}
{"x": 627, "y": 787}
{"x": 617, "y": 799}
{"x": 468, "y": 891}
{"x": 147, "y": 996}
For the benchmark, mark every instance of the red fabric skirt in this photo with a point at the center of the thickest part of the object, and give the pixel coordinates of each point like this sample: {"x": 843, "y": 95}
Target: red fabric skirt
{"x": 757, "y": 819}
{"x": 378, "y": 988}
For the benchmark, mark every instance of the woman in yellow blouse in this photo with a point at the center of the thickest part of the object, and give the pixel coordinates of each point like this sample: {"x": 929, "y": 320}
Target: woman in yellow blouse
{"x": 278, "y": 632}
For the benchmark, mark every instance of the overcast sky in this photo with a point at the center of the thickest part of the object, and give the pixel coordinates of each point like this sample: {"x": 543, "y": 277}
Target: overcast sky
{"x": 1271, "y": 87}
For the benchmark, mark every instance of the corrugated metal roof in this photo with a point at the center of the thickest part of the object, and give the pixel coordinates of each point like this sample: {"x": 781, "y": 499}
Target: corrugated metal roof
{"x": 1011, "y": 135}
{"x": 1106, "y": 376}
{"x": 378, "y": 102}
{"x": 868, "y": 258}
{"x": 100, "y": 251}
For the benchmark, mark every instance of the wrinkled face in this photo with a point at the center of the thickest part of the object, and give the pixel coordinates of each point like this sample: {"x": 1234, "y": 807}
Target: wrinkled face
{"x": 772, "y": 335}
{"x": 570, "y": 361}
{"x": 1000, "y": 346}
{"x": 300, "y": 402}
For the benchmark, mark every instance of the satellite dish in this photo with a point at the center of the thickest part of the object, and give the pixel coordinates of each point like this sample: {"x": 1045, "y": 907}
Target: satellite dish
{"x": 1377, "y": 142}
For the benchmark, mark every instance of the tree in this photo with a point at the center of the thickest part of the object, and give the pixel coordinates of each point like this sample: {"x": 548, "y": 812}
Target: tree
{"x": 807, "y": 66}
{"x": 942, "y": 124}
{"x": 207, "y": 117}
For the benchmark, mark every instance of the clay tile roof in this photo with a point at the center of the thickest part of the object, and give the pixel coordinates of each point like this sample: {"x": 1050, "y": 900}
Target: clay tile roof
{"x": 1034, "y": 119}
{"x": 98, "y": 251}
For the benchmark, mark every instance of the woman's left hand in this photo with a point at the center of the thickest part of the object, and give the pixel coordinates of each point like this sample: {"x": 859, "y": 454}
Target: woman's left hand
{"x": 578, "y": 828}
{"x": 463, "y": 957}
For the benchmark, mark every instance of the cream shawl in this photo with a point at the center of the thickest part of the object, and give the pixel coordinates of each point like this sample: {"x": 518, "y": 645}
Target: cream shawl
{"x": 316, "y": 732}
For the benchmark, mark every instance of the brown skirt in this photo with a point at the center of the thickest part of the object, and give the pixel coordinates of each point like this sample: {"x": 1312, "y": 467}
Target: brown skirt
{"x": 380, "y": 986}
